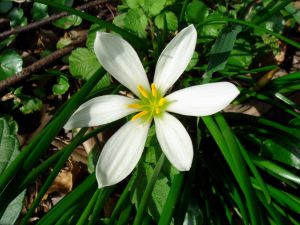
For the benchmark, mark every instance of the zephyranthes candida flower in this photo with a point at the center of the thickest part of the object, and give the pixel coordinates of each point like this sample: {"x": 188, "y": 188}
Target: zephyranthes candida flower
{"x": 123, "y": 150}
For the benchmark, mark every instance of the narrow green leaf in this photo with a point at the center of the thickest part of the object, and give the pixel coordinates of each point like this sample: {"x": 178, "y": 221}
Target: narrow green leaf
{"x": 40, "y": 143}
{"x": 221, "y": 50}
{"x": 254, "y": 171}
{"x": 81, "y": 192}
{"x": 274, "y": 168}
{"x": 240, "y": 167}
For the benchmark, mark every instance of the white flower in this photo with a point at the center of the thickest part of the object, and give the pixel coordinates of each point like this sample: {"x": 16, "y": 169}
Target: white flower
{"x": 123, "y": 150}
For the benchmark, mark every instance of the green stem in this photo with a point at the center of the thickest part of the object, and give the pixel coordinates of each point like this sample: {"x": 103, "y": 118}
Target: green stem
{"x": 144, "y": 201}
{"x": 121, "y": 202}
{"x": 100, "y": 204}
{"x": 84, "y": 216}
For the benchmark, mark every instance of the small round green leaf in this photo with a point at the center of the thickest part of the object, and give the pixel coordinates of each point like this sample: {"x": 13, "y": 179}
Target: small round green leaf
{"x": 10, "y": 63}
{"x": 196, "y": 12}
{"x": 17, "y": 18}
{"x": 171, "y": 19}
{"x": 62, "y": 85}
{"x": 67, "y": 22}
{"x": 39, "y": 11}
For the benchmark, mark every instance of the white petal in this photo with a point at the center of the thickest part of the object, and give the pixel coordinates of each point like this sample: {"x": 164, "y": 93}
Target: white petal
{"x": 202, "y": 100}
{"x": 121, "y": 153}
{"x": 100, "y": 110}
{"x": 174, "y": 141}
{"x": 119, "y": 59}
{"x": 175, "y": 58}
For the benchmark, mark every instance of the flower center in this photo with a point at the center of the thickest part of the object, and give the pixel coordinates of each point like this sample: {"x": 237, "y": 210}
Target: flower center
{"x": 151, "y": 104}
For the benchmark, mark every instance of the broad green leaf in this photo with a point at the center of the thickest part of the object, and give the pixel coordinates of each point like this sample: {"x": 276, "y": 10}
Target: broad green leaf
{"x": 241, "y": 55}
{"x": 67, "y": 22}
{"x": 150, "y": 7}
{"x": 9, "y": 144}
{"x": 196, "y": 12}
{"x": 10, "y": 63}
{"x": 17, "y": 18}
{"x": 39, "y": 11}
{"x": 13, "y": 210}
{"x": 161, "y": 188}
{"x": 171, "y": 19}
{"x": 83, "y": 63}
{"x": 9, "y": 149}
{"x": 208, "y": 32}
{"x": 221, "y": 50}
{"x": 154, "y": 7}
{"x": 62, "y": 85}
{"x": 133, "y": 20}
{"x": 92, "y": 35}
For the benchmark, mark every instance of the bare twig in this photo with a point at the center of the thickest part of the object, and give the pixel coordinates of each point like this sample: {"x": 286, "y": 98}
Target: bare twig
{"x": 40, "y": 64}
{"x": 37, "y": 24}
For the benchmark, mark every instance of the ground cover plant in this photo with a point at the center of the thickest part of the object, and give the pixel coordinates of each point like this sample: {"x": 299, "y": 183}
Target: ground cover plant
{"x": 149, "y": 112}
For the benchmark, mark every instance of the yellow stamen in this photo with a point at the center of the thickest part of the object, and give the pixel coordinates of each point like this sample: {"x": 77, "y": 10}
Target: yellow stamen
{"x": 157, "y": 110}
{"x": 142, "y": 91}
{"x": 139, "y": 115}
{"x": 154, "y": 90}
{"x": 134, "y": 106}
{"x": 162, "y": 101}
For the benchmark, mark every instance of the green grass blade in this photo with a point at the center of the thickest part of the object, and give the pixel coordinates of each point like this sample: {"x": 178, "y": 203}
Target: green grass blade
{"x": 125, "y": 216}
{"x": 43, "y": 141}
{"x": 275, "y": 169}
{"x": 67, "y": 215}
{"x": 239, "y": 165}
{"x": 254, "y": 171}
{"x": 287, "y": 200}
{"x": 102, "y": 197}
{"x": 81, "y": 192}
{"x": 85, "y": 214}
{"x": 51, "y": 177}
